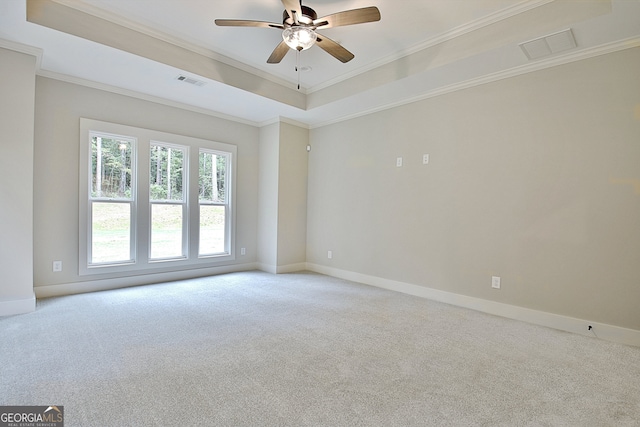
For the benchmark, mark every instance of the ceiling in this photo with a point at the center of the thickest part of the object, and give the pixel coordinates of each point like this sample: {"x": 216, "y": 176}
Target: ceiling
{"x": 419, "y": 49}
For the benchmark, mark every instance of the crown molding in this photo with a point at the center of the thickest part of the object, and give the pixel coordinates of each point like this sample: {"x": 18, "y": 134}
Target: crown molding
{"x": 142, "y": 96}
{"x": 531, "y": 67}
{"x": 23, "y": 48}
{"x": 490, "y": 19}
{"x": 189, "y": 45}
{"x": 281, "y": 119}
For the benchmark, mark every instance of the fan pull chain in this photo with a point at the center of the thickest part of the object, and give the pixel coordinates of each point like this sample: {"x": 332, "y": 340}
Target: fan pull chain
{"x": 298, "y": 67}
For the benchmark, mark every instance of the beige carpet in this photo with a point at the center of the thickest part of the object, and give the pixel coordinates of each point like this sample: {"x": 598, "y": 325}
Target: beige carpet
{"x": 255, "y": 349}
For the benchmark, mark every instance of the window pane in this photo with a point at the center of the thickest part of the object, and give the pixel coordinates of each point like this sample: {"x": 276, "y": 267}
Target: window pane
{"x": 213, "y": 177}
{"x": 110, "y": 168}
{"x": 166, "y": 231}
{"x": 110, "y": 232}
{"x": 212, "y": 229}
{"x": 166, "y": 173}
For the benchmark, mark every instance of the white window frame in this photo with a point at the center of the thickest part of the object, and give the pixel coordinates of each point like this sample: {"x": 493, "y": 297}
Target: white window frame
{"x": 141, "y": 231}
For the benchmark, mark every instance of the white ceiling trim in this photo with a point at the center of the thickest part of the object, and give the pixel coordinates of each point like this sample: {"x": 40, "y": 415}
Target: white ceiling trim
{"x": 56, "y": 16}
{"x": 574, "y": 56}
{"x": 142, "y": 96}
{"x": 281, "y": 119}
{"x": 23, "y": 48}
{"x": 501, "y": 75}
{"x": 494, "y": 18}
{"x": 604, "y": 49}
{"x": 185, "y": 44}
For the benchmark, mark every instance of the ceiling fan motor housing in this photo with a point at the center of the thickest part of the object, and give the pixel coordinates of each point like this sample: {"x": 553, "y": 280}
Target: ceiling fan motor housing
{"x": 307, "y": 18}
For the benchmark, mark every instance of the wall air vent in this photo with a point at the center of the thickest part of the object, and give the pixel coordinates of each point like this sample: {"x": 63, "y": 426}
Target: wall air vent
{"x": 548, "y": 45}
{"x": 190, "y": 80}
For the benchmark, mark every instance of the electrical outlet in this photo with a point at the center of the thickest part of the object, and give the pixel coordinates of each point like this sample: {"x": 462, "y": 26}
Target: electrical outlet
{"x": 495, "y": 282}
{"x": 243, "y": 251}
{"x": 57, "y": 266}
{"x": 425, "y": 159}
{"x": 329, "y": 254}
{"x": 399, "y": 161}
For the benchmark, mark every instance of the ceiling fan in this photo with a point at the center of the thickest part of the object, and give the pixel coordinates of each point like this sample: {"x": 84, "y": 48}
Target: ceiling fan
{"x": 299, "y": 25}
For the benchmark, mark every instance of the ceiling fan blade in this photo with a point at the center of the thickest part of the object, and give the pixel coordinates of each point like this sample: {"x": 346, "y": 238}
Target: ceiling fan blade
{"x": 245, "y": 23}
{"x": 278, "y": 53}
{"x": 348, "y": 17}
{"x": 334, "y": 49}
{"x": 293, "y": 9}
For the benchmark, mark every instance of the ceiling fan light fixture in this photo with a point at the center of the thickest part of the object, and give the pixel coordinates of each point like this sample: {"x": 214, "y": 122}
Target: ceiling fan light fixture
{"x": 299, "y": 38}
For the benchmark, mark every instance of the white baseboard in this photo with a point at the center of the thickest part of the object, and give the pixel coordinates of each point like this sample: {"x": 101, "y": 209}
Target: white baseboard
{"x": 10, "y": 307}
{"x": 268, "y": 268}
{"x": 564, "y": 323}
{"x": 124, "y": 282}
{"x": 290, "y": 268}
{"x": 278, "y": 269}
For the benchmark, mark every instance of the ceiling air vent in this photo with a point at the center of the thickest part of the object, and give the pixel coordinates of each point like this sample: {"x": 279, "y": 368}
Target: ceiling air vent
{"x": 548, "y": 45}
{"x": 190, "y": 80}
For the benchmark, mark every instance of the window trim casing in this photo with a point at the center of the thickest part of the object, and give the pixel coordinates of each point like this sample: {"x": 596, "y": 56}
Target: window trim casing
{"x": 142, "y": 224}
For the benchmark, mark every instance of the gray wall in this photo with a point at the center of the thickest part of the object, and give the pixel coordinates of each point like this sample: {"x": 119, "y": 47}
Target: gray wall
{"x": 283, "y": 197}
{"x": 59, "y": 107}
{"x": 17, "y": 89}
{"x": 268, "y": 197}
{"x": 292, "y": 203}
{"x": 535, "y": 179}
